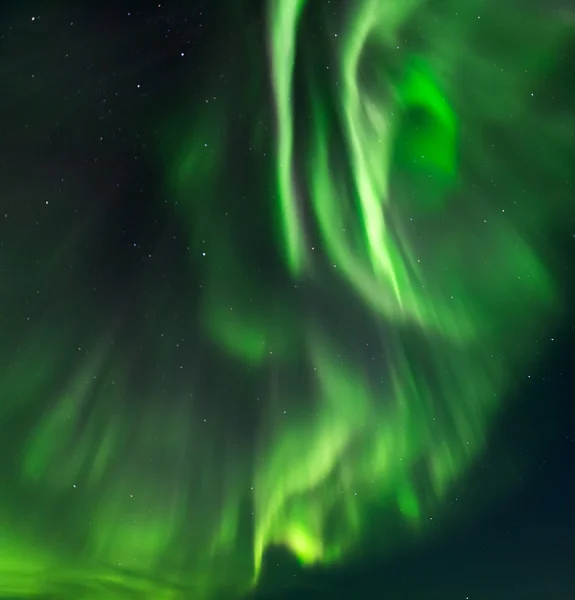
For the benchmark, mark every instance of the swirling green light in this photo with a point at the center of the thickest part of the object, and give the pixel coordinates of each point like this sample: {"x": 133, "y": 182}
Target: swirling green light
{"x": 372, "y": 364}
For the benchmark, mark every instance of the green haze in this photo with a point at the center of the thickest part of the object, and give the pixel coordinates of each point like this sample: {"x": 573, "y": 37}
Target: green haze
{"x": 395, "y": 162}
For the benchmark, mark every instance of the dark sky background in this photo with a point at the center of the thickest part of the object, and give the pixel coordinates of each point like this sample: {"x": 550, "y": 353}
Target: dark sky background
{"x": 87, "y": 91}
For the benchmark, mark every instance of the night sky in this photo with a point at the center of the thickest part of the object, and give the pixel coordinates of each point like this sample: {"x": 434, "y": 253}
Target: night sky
{"x": 285, "y": 300}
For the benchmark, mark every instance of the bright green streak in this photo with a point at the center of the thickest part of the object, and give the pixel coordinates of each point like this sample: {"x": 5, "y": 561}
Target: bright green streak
{"x": 430, "y": 292}
{"x": 284, "y": 18}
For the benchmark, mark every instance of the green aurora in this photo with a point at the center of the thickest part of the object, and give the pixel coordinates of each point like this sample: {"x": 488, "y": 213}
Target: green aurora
{"x": 392, "y": 155}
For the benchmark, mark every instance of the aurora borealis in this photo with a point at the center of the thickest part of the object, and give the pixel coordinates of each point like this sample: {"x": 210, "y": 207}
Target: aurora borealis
{"x": 274, "y": 285}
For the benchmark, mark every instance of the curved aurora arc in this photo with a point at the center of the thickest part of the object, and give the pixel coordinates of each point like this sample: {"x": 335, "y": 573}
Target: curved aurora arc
{"x": 383, "y": 215}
